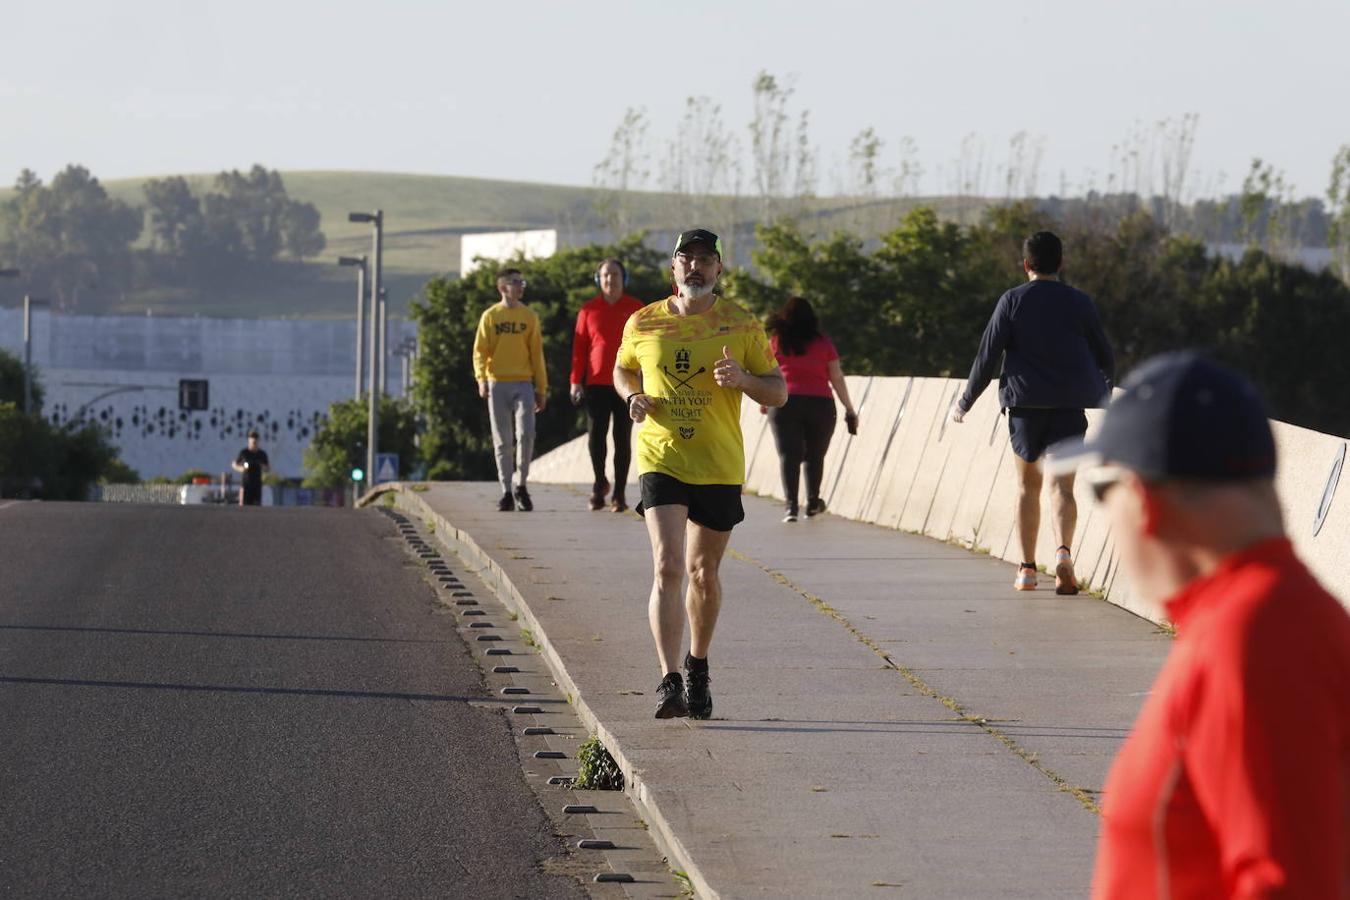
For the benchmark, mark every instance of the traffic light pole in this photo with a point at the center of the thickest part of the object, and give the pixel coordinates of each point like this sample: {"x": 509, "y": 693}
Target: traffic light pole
{"x": 376, "y": 367}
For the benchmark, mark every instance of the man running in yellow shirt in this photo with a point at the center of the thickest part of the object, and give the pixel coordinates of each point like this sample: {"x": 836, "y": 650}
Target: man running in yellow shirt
{"x": 508, "y": 361}
{"x": 682, "y": 367}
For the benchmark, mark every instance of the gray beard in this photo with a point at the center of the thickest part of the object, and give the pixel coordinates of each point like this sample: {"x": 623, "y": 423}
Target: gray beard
{"x": 695, "y": 291}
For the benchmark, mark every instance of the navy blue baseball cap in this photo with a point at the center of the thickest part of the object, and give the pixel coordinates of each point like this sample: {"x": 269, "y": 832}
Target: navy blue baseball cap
{"x": 1180, "y": 415}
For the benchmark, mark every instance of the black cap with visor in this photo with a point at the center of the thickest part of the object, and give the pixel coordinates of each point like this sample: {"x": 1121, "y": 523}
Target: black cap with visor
{"x": 1179, "y": 416}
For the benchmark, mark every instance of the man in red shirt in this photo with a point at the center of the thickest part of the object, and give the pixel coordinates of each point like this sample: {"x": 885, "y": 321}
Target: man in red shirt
{"x": 1235, "y": 781}
{"x": 594, "y": 349}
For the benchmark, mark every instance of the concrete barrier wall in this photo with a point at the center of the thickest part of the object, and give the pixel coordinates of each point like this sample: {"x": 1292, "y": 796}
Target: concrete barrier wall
{"x": 909, "y": 468}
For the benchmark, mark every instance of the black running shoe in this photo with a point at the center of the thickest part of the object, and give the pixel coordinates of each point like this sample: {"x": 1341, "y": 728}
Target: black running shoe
{"x": 507, "y": 503}
{"x": 598, "y": 492}
{"x": 697, "y": 695}
{"x": 523, "y": 499}
{"x": 672, "y": 704}
{"x": 815, "y": 508}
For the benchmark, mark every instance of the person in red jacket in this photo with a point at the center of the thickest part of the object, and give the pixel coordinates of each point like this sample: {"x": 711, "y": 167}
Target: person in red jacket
{"x": 1235, "y": 780}
{"x": 594, "y": 348}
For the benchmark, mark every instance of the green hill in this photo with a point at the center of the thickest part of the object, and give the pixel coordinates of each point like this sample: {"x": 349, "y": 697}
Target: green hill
{"x": 425, "y": 216}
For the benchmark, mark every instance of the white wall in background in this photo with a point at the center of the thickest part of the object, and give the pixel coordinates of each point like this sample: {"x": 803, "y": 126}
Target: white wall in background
{"x": 503, "y": 245}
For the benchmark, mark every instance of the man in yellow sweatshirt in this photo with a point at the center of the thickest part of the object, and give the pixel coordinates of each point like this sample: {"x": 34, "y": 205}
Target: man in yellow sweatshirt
{"x": 508, "y": 361}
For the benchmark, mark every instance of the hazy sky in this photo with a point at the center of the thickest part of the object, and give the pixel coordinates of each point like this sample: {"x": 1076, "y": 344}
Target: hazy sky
{"x": 532, "y": 90}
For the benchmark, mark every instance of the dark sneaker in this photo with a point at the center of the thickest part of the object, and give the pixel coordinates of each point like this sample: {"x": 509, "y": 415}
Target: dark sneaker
{"x": 523, "y": 499}
{"x": 815, "y": 508}
{"x": 619, "y": 504}
{"x": 598, "y": 492}
{"x": 672, "y": 704}
{"x": 507, "y": 503}
{"x": 790, "y": 515}
{"x": 1065, "y": 581}
{"x": 698, "y": 697}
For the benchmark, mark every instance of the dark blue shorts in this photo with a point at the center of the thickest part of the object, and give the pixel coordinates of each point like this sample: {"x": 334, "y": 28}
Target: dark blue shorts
{"x": 1033, "y": 430}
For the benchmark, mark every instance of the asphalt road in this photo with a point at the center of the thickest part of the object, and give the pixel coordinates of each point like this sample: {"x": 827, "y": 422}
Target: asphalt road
{"x": 245, "y": 702}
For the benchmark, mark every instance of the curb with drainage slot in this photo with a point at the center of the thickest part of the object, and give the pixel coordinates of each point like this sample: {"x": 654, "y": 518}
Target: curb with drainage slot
{"x": 659, "y": 834}
{"x": 611, "y": 877}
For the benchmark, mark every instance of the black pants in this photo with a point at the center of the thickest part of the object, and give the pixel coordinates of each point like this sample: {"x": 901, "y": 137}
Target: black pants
{"x": 802, "y": 429}
{"x": 602, "y": 403}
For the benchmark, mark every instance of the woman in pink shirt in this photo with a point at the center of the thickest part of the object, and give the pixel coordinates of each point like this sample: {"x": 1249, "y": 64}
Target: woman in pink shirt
{"x": 802, "y": 428}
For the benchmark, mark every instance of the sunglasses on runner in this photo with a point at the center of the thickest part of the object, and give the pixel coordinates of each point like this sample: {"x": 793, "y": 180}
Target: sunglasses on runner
{"x": 696, "y": 259}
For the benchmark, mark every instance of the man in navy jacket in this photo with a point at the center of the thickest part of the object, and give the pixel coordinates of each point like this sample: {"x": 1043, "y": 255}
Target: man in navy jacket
{"x": 1056, "y": 362}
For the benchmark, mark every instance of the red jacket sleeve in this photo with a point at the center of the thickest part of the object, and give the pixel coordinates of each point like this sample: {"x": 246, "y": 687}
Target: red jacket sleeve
{"x": 1263, "y": 758}
{"x": 581, "y": 348}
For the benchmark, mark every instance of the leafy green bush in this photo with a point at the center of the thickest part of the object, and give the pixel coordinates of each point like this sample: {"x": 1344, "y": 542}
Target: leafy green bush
{"x": 596, "y": 769}
{"x": 119, "y": 472}
{"x": 40, "y": 460}
{"x": 339, "y": 444}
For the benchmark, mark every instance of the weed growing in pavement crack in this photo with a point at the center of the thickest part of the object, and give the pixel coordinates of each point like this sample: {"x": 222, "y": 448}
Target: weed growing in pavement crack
{"x": 596, "y": 769}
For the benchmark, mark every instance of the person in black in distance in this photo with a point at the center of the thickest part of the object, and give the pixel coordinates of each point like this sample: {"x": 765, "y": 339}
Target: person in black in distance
{"x": 252, "y": 463}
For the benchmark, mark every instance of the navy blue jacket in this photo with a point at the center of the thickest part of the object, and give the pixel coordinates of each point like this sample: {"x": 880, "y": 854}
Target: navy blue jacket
{"x": 1054, "y": 353}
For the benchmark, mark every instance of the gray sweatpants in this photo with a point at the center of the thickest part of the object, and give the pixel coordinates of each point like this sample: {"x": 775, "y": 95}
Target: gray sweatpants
{"x": 512, "y": 403}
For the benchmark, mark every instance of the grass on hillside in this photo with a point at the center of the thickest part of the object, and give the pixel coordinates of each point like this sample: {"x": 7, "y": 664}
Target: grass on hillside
{"x": 425, "y": 216}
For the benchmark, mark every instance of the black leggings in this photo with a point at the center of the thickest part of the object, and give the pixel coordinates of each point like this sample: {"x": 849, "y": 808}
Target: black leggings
{"x": 802, "y": 428}
{"x": 602, "y": 402}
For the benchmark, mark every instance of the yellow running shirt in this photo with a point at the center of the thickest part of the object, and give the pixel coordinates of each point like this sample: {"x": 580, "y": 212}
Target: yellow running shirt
{"x": 694, "y": 434}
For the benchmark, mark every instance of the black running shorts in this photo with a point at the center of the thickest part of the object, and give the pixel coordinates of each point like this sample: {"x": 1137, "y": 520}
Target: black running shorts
{"x": 1033, "y": 430}
{"x": 714, "y": 506}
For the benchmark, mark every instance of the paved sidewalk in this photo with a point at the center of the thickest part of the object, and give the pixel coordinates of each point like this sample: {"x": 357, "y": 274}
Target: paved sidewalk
{"x": 891, "y": 718}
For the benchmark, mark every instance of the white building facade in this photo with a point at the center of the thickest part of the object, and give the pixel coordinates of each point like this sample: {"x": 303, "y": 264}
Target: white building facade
{"x": 123, "y": 372}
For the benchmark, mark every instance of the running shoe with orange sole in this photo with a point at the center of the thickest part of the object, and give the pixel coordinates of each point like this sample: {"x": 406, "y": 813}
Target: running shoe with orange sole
{"x": 1026, "y": 579}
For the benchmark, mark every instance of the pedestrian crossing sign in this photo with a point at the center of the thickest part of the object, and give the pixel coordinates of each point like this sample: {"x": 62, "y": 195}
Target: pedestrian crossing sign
{"x": 386, "y": 467}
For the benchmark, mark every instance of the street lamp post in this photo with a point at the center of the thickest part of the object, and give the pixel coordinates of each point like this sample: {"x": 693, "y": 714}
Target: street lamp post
{"x": 384, "y": 342}
{"x": 360, "y": 263}
{"x": 28, "y": 304}
{"x": 373, "y": 419}
{"x": 407, "y": 351}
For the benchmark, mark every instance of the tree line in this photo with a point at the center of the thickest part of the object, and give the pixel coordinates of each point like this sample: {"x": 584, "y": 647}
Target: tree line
{"x": 77, "y": 246}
